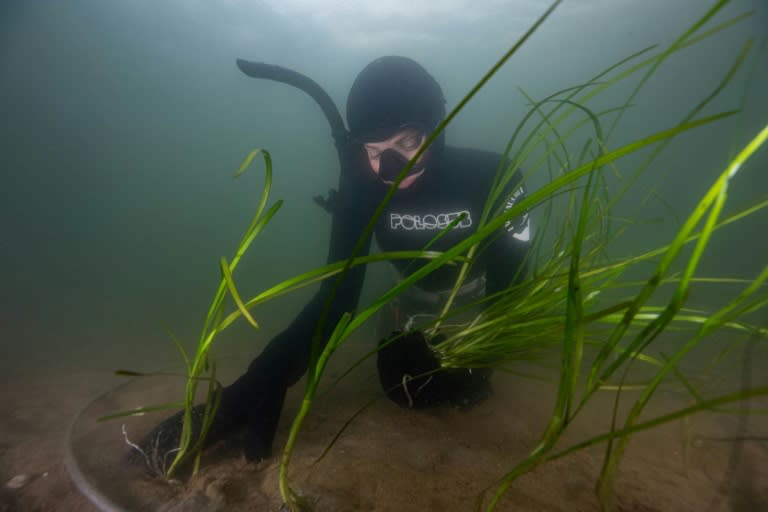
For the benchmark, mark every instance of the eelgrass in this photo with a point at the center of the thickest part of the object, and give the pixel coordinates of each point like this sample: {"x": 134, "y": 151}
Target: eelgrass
{"x": 202, "y": 363}
{"x": 560, "y": 306}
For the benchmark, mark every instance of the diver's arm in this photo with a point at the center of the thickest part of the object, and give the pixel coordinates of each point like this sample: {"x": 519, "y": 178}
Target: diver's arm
{"x": 256, "y": 398}
{"x": 287, "y": 355}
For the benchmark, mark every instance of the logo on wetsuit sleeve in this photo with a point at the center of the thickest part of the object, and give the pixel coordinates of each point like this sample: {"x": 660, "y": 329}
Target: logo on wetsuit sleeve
{"x": 519, "y": 227}
{"x": 428, "y": 221}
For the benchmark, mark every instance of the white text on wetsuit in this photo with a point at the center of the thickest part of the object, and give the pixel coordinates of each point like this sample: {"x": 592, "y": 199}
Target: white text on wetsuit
{"x": 428, "y": 221}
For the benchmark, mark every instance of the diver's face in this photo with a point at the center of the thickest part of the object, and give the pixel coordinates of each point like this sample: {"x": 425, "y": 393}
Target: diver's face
{"x": 405, "y": 143}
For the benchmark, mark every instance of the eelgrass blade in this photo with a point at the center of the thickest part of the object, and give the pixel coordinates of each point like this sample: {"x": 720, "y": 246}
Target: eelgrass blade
{"x": 343, "y": 428}
{"x": 250, "y": 233}
{"x": 212, "y": 402}
{"x": 213, "y": 319}
{"x": 132, "y": 373}
{"x": 180, "y": 348}
{"x": 227, "y": 275}
{"x": 703, "y": 406}
{"x": 140, "y": 411}
{"x": 287, "y": 494}
{"x": 264, "y": 195}
{"x": 574, "y": 324}
{"x": 697, "y": 397}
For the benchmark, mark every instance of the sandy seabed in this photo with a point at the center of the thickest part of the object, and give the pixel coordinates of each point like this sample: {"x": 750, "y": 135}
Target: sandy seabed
{"x": 389, "y": 458}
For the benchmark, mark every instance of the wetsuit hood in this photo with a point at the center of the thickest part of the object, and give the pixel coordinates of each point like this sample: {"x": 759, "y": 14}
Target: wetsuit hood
{"x": 388, "y": 94}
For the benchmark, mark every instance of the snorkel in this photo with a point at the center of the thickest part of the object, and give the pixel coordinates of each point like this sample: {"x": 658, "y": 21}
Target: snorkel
{"x": 339, "y": 132}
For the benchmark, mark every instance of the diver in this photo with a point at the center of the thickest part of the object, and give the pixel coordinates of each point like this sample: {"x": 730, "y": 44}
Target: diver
{"x": 392, "y": 107}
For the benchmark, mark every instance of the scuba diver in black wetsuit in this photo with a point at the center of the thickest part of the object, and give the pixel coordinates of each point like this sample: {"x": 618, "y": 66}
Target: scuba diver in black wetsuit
{"x": 392, "y": 107}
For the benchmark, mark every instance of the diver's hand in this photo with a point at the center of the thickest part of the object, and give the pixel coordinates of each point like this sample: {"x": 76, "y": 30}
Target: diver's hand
{"x": 412, "y": 377}
{"x": 264, "y": 404}
{"x": 407, "y": 367}
{"x": 251, "y": 402}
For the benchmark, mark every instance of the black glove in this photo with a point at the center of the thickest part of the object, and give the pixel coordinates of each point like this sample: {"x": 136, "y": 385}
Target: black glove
{"x": 411, "y": 375}
{"x": 252, "y": 401}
